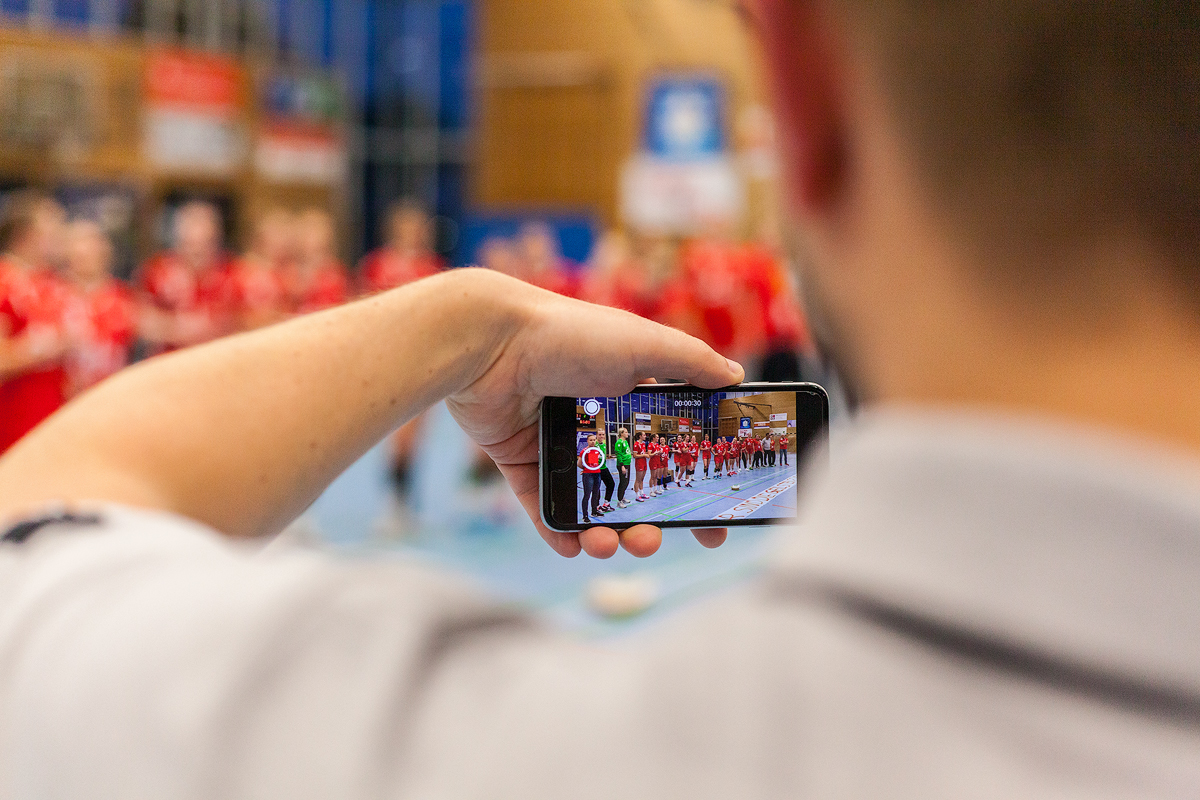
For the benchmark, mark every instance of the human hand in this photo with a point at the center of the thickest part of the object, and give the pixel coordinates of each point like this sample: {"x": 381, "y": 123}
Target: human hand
{"x": 567, "y": 348}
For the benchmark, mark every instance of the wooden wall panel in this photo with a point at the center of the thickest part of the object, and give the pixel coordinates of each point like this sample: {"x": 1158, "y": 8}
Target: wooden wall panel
{"x": 560, "y": 90}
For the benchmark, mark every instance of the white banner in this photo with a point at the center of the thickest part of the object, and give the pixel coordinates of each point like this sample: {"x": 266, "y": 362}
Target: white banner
{"x": 778, "y": 417}
{"x": 640, "y": 427}
{"x": 680, "y": 197}
{"x": 791, "y": 423}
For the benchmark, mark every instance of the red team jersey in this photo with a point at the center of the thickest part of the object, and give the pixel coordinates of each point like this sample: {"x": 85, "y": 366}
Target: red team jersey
{"x": 31, "y": 303}
{"x": 560, "y": 279}
{"x": 639, "y": 456}
{"x": 171, "y": 286}
{"x": 324, "y": 288}
{"x": 706, "y": 450}
{"x": 257, "y": 293}
{"x": 103, "y": 325}
{"x": 384, "y": 269}
{"x": 592, "y": 459}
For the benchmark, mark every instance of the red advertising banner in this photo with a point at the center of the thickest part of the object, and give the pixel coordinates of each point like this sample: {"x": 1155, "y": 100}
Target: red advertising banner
{"x": 195, "y": 81}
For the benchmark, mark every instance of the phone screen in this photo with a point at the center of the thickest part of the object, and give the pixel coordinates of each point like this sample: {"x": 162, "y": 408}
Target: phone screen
{"x": 679, "y": 456}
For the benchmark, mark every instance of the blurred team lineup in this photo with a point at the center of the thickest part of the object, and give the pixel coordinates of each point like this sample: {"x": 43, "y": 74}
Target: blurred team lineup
{"x": 175, "y": 171}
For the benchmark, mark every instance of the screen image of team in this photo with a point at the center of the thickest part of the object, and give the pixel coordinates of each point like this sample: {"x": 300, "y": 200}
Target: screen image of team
{"x": 672, "y": 457}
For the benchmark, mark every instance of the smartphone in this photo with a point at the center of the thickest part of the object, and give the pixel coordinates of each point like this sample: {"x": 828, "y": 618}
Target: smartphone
{"x": 677, "y": 456}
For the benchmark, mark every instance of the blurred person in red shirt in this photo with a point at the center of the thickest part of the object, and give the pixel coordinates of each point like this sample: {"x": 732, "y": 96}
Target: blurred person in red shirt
{"x": 33, "y": 299}
{"x": 102, "y": 311}
{"x": 781, "y": 333}
{"x": 408, "y": 254}
{"x": 406, "y": 257}
{"x": 315, "y": 279}
{"x": 718, "y": 307}
{"x": 616, "y": 277}
{"x": 500, "y": 254}
{"x": 544, "y": 264}
{"x": 184, "y": 291}
{"x": 257, "y": 293}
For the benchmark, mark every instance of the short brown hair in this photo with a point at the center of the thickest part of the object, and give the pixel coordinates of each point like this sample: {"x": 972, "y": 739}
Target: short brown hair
{"x": 19, "y": 213}
{"x": 1042, "y": 122}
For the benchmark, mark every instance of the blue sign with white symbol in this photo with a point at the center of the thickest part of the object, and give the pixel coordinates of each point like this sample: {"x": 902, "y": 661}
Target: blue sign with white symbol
{"x": 745, "y": 422}
{"x": 684, "y": 118}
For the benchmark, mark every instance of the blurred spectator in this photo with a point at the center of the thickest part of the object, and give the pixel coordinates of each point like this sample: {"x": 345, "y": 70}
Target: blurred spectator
{"x": 781, "y": 331}
{"x": 315, "y": 278}
{"x": 33, "y": 301}
{"x": 184, "y": 290}
{"x": 739, "y": 298}
{"x": 544, "y": 265}
{"x": 257, "y": 293}
{"x": 408, "y": 254}
{"x": 102, "y": 313}
{"x": 500, "y": 254}
{"x": 719, "y": 307}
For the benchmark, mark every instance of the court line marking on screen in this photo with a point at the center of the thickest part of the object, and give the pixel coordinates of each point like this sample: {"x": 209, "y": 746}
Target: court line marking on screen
{"x": 692, "y": 505}
{"x": 752, "y": 504}
{"x": 688, "y": 502}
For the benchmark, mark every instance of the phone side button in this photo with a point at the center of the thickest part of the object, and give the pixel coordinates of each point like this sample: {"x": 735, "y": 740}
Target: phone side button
{"x": 561, "y": 460}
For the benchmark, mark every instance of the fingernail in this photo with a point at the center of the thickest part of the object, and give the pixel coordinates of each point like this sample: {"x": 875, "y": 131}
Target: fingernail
{"x": 733, "y": 365}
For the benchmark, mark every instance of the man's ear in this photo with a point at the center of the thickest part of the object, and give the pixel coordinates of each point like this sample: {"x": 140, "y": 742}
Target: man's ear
{"x": 801, "y": 53}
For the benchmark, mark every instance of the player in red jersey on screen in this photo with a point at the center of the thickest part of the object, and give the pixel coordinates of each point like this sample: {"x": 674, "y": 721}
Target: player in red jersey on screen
{"x": 677, "y": 460}
{"x": 782, "y": 445}
{"x": 258, "y": 295}
{"x": 718, "y": 451}
{"x": 652, "y": 466}
{"x": 33, "y": 299}
{"x": 101, "y": 312}
{"x": 184, "y": 292}
{"x": 315, "y": 279}
{"x": 660, "y": 465}
{"x": 706, "y": 454}
{"x": 639, "y": 466}
{"x": 693, "y": 458}
{"x": 406, "y": 256}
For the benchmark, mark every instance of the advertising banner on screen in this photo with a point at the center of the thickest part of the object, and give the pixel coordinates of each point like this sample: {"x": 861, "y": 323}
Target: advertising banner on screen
{"x": 745, "y": 423}
{"x": 778, "y": 417}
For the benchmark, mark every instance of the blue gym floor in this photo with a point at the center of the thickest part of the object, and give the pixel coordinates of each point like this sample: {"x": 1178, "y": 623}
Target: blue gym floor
{"x": 483, "y": 533}
{"x": 762, "y": 493}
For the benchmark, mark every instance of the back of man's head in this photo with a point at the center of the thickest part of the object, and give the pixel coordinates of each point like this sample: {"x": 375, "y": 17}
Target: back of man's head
{"x": 1039, "y": 123}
